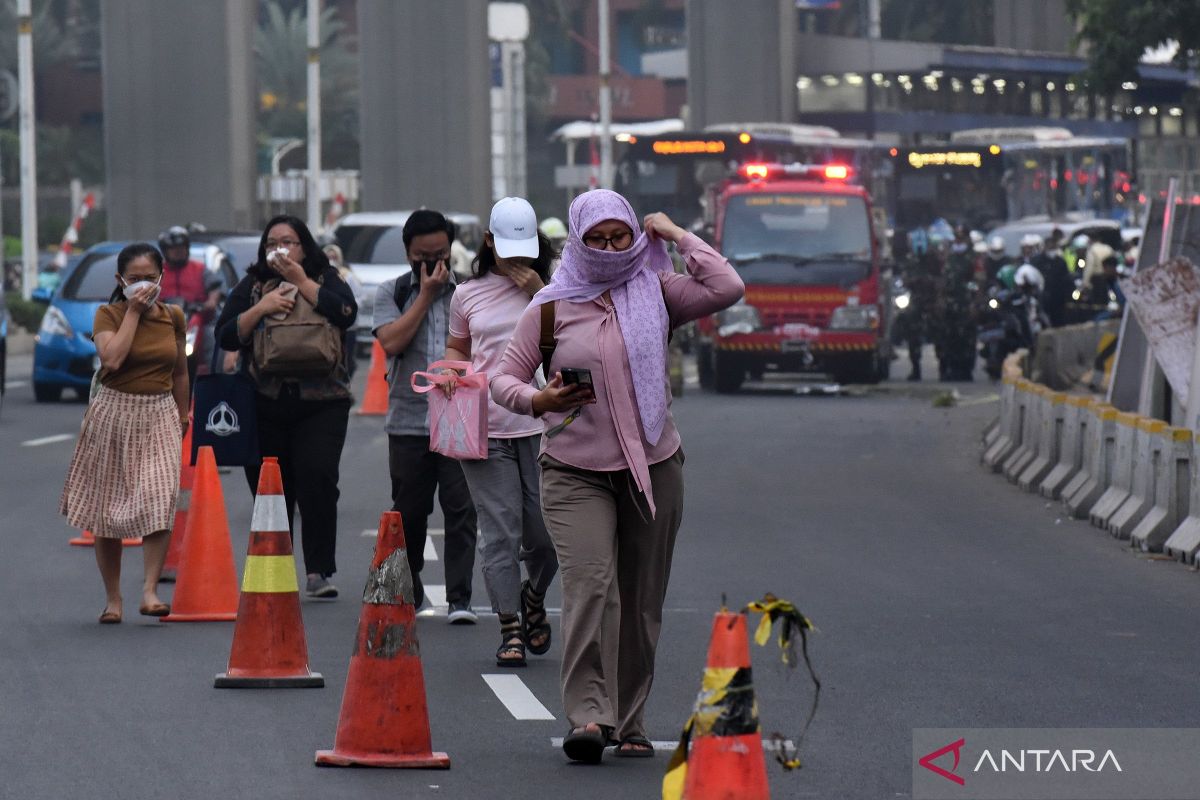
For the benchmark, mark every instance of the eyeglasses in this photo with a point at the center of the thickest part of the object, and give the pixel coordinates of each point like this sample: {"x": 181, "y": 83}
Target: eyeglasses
{"x": 434, "y": 257}
{"x": 619, "y": 241}
{"x": 271, "y": 244}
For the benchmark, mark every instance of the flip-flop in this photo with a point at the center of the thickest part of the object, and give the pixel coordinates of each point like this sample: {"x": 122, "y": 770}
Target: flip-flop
{"x": 643, "y": 747}
{"x": 585, "y": 746}
{"x": 158, "y": 610}
{"x": 110, "y": 618}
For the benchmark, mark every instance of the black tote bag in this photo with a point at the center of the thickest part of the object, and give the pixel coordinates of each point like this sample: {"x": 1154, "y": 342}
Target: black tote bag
{"x": 225, "y": 416}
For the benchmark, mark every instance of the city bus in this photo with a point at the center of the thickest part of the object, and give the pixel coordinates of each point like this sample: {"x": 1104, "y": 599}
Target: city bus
{"x": 671, "y": 172}
{"x": 988, "y": 176}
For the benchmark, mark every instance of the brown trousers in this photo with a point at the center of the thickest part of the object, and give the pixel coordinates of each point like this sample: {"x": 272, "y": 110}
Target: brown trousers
{"x": 615, "y": 563}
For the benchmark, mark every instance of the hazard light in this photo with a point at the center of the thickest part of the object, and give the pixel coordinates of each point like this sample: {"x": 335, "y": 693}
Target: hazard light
{"x": 836, "y": 172}
{"x": 756, "y": 171}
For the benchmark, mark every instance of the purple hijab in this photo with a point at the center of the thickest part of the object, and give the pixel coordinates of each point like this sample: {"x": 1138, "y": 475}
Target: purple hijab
{"x": 632, "y": 278}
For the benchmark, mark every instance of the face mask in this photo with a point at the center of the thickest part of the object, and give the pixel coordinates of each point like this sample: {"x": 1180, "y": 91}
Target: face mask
{"x": 133, "y": 288}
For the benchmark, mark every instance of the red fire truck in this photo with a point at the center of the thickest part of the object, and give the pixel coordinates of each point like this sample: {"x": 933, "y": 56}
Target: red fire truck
{"x": 801, "y": 238}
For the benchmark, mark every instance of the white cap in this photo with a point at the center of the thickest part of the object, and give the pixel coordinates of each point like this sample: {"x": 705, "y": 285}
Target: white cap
{"x": 514, "y": 228}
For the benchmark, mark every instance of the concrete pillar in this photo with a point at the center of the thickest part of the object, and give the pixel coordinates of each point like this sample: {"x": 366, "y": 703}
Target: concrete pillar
{"x": 741, "y": 61}
{"x": 425, "y": 105}
{"x": 179, "y": 114}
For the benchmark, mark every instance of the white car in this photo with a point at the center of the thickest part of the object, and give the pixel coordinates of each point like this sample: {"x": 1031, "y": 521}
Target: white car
{"x": 373, "y": 245}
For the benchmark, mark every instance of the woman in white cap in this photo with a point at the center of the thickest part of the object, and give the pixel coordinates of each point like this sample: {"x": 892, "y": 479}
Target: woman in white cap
{"x": 512, "y": 265}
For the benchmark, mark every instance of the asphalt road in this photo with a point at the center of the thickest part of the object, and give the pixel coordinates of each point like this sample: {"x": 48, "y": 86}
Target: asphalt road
{"x": 944, "y": 598}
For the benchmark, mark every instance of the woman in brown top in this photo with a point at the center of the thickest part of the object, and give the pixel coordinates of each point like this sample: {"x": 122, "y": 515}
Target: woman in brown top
{"x": 125, "y": 472}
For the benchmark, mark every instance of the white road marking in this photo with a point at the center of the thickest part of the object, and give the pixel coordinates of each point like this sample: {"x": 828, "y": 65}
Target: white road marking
{"x": 15, "y": 384}
{"x": 769, "y": 746}
{"x": 436, "y": 595}
{"x": 61, "y": 437}
{"x": 430, "y": 550}
{"x": 516, "y": 697}
{"x": 369, "y": 532}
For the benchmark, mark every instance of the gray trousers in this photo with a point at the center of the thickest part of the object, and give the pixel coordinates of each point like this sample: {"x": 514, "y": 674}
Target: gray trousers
{"x": 511, "y": 528}
{"x": 615, "y": 562}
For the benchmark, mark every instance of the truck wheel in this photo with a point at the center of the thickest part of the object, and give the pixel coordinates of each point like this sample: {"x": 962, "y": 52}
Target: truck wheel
{"x": 728, "y": 376}
{"x": 47, "y": 392}
{"x": 704, "y": 365}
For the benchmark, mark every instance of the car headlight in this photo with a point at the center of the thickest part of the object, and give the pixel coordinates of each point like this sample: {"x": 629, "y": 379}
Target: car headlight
{"x": 738, "y": 318}
{"x": 854, "y": 318}
{"x": 54, "y": 323}
{"x": 189, "y": 341}
{"x": 902, "y": 301}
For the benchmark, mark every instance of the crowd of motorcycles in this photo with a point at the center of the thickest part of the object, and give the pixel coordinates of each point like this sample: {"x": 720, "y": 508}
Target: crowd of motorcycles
{"x": 965, "y": 296}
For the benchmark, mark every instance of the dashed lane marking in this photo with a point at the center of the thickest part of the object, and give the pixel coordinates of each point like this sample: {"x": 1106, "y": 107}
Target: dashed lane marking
{"x": 61, "y": 437}
{"x": 15, "y": 384}
{"x": 371, "y": 532}
{"x": 430, "y": 550}
{"x": 768, "y": 744}
{"x": 516, "y": 697}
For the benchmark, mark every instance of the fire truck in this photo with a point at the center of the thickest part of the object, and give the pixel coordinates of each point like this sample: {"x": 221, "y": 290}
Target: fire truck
{"x": 801, "y": 237}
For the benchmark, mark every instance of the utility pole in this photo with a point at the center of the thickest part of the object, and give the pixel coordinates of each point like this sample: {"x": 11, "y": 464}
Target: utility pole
{"x": 29, "y": 249}
{"x": 312, "y": 191}
{"x": 606, "y": 149}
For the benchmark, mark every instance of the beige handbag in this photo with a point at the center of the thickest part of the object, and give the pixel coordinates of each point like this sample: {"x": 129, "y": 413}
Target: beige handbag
{"x": 304, "y": 344}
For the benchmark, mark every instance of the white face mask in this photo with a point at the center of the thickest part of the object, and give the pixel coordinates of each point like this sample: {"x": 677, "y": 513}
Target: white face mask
{"x": 133, "y": 288}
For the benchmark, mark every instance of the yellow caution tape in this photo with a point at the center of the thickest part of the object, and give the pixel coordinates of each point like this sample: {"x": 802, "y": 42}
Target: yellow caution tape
{"x": 270, "y": 574}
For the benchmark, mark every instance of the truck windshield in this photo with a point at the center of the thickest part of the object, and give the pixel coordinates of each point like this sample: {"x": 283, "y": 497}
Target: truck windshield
{"x": 798, "y": 238}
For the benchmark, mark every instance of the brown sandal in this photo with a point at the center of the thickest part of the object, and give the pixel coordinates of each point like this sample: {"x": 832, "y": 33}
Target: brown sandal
{"x": 110, "y": 618}
{"x": 157, "y": 610}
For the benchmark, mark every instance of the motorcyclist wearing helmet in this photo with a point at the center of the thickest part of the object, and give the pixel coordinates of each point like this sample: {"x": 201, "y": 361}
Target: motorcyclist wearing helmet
{"x": 185, "y": 281}
{"x": 555, "y": 231}
{"x": 997, "y": 259}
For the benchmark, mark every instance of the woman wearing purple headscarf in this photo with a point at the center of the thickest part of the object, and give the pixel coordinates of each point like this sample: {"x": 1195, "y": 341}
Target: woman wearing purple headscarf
{"x": 612, "y": 467}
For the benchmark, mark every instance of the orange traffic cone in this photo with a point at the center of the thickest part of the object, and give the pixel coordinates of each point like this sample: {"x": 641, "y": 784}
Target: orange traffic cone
{"x": 726, "y": 761}
{"x": 384, "y": 720}
{"x": 88, "y": 539}
{"x": 183, "y": 502}
{"x": 375, "y": 397}
{"x": 269, "y": 650}
{"x": 206, "y": 588}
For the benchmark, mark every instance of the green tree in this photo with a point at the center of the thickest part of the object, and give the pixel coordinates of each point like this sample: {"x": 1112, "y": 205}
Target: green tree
{"x": 281, "y": 48}
{"x": 1117, "y": 33}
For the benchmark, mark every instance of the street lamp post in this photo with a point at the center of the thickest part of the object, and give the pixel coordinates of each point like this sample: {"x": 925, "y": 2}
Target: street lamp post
{"x": 29, "y": 225}
{"x": 312, "y": 191}
{"x": 606, "y": 149}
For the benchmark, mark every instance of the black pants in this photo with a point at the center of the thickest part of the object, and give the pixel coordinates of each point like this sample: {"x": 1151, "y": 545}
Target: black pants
{"x": 307, "y": 437}
{"x": 416, "y": 474}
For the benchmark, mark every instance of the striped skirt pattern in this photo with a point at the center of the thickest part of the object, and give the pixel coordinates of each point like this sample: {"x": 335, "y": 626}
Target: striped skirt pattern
{"x": 124, "y": 476}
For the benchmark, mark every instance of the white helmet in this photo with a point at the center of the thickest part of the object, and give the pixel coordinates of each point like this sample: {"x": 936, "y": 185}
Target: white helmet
{"x": 1029, "y": 275}
{"x": 976, "y": 237}
{"x": 1031, "y": 240}
{"x": 1080, "y": 242}
{"x": 996, "y": 245}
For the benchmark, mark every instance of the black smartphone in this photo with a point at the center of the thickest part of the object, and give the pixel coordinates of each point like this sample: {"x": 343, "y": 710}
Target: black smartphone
{"x": 572, "y": 375}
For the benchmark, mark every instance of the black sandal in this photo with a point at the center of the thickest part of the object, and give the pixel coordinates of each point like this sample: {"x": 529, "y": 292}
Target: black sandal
{"x": 639, "y": 747}
{"x": 585, "y": 746}
{"x": 511, "y": 642}
{"x": 533, "y": 619}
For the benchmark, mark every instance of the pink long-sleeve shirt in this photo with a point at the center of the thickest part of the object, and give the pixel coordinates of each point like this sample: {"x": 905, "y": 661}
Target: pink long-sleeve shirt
{"x": 609, "y": 436}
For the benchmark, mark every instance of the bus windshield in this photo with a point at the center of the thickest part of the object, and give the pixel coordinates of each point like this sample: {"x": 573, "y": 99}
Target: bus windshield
{"x": 798, "y": 238}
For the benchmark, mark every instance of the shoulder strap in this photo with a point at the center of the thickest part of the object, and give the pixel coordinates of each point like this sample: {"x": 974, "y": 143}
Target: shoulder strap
{"x": 401, "y": 291}
{"x": 547, "y": 343}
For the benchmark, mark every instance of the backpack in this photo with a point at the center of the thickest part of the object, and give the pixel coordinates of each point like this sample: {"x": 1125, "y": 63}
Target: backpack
{"x": 304, "y": 344}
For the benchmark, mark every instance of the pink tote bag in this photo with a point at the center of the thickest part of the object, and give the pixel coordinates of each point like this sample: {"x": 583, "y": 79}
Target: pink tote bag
{"x": 458, "y": 425}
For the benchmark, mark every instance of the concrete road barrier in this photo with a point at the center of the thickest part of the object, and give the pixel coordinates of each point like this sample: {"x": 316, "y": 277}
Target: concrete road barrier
{"x": 1101, "y": 447}
{"x": 1184, "y": 541}
{"x": 1032, "y": 402}
{"x": 1076, "y": 415}
{"x": 1010, "y": 425}
{"x": 1050, "y": 437}
{"x": 1146, "y": 471}
{"x": 1121, "y": 476}
{"x": 1173, "y": 475}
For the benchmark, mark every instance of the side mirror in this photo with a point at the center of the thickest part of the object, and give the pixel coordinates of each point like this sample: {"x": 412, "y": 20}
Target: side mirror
{"x": 41, "y": 295}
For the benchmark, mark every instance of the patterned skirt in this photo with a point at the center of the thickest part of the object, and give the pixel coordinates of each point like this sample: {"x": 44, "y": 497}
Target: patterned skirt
{"x": 124, "y": 476}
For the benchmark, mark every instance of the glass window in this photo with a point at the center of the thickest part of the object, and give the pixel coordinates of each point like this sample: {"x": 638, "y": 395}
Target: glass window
{"x": 93, "y": 279}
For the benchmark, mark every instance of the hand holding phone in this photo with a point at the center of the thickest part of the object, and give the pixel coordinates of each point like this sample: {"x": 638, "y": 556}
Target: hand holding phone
{"x": 576, "y": 375}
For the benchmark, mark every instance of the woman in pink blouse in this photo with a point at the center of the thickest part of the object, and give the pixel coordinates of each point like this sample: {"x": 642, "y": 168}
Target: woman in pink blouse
{"x": 512, "y": 265}
{"x": 612, "y": 467}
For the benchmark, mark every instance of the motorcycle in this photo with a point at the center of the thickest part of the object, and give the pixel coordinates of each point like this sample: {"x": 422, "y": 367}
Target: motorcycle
{"x": 1011, "y": 320}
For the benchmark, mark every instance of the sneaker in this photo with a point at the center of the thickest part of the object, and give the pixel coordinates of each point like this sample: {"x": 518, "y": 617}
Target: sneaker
{"x": 319, "y": 586}
{"x": 461, "y": 614}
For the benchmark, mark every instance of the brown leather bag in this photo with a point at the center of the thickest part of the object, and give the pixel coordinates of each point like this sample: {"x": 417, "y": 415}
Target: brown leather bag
{"x": 304, "y": 344}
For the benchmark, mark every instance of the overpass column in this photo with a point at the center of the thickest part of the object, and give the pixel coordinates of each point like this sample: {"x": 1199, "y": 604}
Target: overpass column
{"x": 425, "y": 105}
{"x": 179, "y": 114}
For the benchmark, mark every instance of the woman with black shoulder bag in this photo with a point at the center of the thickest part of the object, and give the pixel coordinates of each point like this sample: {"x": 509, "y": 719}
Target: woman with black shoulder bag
{"x": 288, "y": 318}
